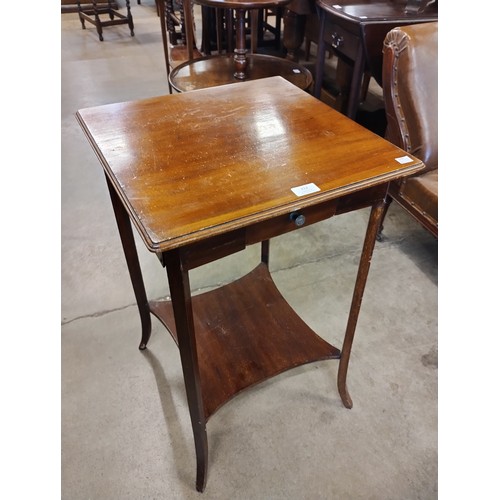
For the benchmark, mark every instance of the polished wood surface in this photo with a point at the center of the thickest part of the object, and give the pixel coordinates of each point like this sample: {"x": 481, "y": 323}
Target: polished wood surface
{"x": 211, "y": 71}
{"x": 202, "y": 175}
{"x": 194, "y": 165}
{"x": 246, "y": 333}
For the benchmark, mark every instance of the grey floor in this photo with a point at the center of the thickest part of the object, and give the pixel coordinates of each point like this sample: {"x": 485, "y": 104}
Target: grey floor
{"x": 125, "y": 425}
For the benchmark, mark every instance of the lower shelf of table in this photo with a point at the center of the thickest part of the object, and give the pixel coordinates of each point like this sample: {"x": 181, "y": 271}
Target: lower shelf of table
{"x": 211, "y": 71}
{"x": 246, "y": 332}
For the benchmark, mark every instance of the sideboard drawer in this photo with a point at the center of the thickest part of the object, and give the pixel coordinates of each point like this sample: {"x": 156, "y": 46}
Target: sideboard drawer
{"x": 341, "y": 40}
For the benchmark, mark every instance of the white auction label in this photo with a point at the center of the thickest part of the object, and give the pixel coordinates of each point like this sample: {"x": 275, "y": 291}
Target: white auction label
{"x": 305, "y": 189}
{"x": 404, "y": 159}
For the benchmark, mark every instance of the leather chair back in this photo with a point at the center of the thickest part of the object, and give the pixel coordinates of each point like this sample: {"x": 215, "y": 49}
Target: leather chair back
{"x": 410, "y": 84}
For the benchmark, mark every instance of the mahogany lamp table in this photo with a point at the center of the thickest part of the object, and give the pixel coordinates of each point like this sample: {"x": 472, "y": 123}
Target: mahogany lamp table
{"x": 215, "y": 70}
{"x": 203, "y": 174}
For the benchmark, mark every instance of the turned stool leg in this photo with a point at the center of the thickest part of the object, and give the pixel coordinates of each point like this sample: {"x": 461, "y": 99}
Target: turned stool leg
{"x": 97, "y": 20}
{"x": 82, "y": 19}
{"x": 129, "y": 18}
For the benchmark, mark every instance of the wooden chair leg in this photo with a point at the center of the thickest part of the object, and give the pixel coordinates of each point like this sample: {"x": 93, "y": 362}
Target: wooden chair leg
{"x": 384, "y": 213}
{"x": 254, "y": 27}
{"x": 164, "y": 35}
{"x": 219, "y": 29}
{"x": 229, "y": 30}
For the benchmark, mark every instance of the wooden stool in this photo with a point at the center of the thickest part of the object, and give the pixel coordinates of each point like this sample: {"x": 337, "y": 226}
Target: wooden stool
{"x": 92, "y": 16}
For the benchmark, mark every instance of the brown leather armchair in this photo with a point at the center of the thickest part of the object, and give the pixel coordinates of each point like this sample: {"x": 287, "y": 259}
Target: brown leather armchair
{"x": 410, "y": 85}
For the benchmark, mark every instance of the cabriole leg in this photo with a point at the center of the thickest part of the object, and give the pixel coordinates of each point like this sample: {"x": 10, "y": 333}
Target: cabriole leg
{"x": 180, "y": 292}
{"x": 134, "y": 268}
{"x": 364, "y": 266}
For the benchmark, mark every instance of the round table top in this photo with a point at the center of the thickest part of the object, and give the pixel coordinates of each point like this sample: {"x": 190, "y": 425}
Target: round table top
{"x": 211, "y": 71}
{"x": 242, "y": 4}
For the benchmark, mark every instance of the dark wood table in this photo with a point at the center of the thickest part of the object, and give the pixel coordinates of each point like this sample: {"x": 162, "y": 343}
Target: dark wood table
{"x": 204, "y": 174}
{"x": 215, "y": 70}
{"x": 355, "y": 30}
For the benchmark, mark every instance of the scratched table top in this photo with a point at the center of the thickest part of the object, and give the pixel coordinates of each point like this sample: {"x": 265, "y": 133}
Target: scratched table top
{"x": 194, "y": 165}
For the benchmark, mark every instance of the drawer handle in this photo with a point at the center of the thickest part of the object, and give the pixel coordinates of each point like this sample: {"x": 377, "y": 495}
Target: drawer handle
{"x": 298, "y": 219}
{"x": 337, "y": 41}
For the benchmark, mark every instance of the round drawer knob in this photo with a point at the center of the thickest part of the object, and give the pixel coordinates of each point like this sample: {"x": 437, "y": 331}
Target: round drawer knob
{"x": 298, "y": 219}
{"x": 338, "y": 41}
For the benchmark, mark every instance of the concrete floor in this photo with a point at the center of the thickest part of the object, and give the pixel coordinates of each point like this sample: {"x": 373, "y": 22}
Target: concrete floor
{"x": 125, "y": 425}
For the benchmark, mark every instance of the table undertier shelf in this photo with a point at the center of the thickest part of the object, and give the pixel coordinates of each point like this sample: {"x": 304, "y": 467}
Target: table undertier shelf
{"x": 211, "y": 71}
{"x": 246, "y": 332}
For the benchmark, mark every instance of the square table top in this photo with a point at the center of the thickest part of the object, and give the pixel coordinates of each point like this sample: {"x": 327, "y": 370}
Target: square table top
{"x": 194, "y": 165}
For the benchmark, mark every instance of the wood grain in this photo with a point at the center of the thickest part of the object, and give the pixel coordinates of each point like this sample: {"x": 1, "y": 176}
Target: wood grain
{"x": 197, "y": 164}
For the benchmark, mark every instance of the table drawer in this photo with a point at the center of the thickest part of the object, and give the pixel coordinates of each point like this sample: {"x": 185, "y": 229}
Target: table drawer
{"x": 222, "y": 245}
{"x": 341, "y": 40}
{"x": 291, "y": 221}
